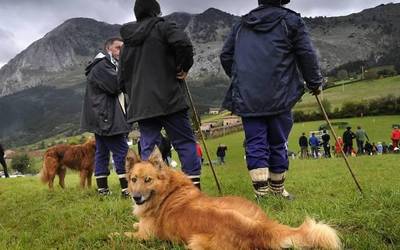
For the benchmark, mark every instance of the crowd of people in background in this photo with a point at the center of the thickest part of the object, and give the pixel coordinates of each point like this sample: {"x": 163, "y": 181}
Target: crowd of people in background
{"x": 311, "y": 147}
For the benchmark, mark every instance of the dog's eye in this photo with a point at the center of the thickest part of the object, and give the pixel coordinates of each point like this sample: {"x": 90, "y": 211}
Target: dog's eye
{"x": 147, "y": 180}
{"x": 134, "y": 179}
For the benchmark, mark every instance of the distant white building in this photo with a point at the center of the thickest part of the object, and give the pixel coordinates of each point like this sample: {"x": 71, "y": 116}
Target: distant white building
{"x": 214, "y": 111}
{"x": 231, "y": 120}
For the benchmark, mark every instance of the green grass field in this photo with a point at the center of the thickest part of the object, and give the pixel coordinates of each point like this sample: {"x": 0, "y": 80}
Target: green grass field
{"x": 356, "y": 92}
{"x": 35, "y": 218}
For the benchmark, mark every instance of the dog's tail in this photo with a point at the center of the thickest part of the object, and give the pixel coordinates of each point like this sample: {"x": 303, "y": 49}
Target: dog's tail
{"x": 309, "y": 235}
{"x": 48, "y": 161}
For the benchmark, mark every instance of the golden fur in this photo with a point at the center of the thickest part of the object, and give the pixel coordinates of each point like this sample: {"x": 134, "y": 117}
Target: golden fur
{"x": 77, "y": 157}
{"x": 174, "y": 209}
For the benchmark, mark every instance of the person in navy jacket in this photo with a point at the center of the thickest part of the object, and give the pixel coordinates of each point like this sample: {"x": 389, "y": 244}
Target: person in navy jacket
{"x": 268, "y": 56}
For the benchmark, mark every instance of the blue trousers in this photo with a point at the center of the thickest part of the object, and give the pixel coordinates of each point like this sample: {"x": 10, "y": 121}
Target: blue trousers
{"x": 116, "y": 144}
{"x": 266, "y": 141}
{"x": 180, "y": 132}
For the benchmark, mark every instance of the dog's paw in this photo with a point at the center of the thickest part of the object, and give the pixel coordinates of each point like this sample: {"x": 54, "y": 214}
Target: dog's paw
{"x": 113, "y": 235}
{"x": 130, "y": 235}
{"x": 136, "y": 226}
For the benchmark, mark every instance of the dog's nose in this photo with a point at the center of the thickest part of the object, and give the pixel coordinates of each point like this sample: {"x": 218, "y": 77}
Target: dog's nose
{"x": 137, "y": 199}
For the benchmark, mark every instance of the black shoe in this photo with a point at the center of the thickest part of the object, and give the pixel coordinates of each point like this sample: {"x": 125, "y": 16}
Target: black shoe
{"x": 125, "y": 194}
{"x": 104, "y": 192}
{"x": 285, "y": 194}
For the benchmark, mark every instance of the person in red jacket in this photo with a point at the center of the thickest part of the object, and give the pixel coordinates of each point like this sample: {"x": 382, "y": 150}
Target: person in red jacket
{"x": 395, "y": 137}
{"x": 199, "y": 152}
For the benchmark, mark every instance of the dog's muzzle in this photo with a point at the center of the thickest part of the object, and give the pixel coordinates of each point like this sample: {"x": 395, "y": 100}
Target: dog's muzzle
{"x": 141, "y": 199}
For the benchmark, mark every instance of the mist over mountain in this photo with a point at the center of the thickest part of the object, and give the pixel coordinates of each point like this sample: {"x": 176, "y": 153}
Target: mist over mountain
{"x": 56, "y": 62}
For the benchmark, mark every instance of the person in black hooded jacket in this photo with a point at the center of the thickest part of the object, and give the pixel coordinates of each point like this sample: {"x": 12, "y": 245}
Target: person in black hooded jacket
{"x": 3, "y": 161}
{"x": 155, "y": 61}
{"x": 263, "y": 56}
{"x": 103, "y": 114}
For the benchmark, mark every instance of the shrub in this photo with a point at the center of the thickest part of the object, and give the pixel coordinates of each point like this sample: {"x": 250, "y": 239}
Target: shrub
{"x": 21, "y": 163}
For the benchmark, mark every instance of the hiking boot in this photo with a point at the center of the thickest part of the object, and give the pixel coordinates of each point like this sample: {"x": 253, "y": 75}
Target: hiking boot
{"x": 125, "y": 194}
{"x": 284, "y": 194}
{"x": 104, "y": 192}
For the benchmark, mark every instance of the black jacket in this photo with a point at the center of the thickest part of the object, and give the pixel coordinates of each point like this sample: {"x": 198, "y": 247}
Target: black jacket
{"x": 1, "y": 151}
{"x": 154, "y": 52}
{"x": 102, "y": 113}
{"x": 303, "y": 141}
{"x": 325, "y": 139}
{"x": 348, "y": 137}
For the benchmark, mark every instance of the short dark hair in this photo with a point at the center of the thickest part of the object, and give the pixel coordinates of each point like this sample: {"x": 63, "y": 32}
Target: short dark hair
{"x": 111, "y": 41}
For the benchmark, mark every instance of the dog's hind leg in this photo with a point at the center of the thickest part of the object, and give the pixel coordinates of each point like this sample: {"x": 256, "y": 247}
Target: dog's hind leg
{"x": 83, "y": 176}
{"x": 199, "y": 242}
{"x": 61, "y": 175}
{"x": 89, "y": 179}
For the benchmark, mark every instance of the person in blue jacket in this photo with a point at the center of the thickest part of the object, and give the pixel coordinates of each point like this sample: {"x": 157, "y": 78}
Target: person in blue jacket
{"x": 267, "y": 56}
{"x": 314, "y": 143}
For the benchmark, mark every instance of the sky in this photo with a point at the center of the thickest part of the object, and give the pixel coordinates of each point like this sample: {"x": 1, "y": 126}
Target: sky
{"x": 25, "y": 21}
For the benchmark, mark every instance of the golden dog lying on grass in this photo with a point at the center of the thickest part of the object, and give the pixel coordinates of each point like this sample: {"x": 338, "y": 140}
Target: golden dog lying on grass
{"x": 170, "y": 207}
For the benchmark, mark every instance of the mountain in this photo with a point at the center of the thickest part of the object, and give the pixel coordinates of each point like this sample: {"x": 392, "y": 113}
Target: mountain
{"x": 56, "y": 62}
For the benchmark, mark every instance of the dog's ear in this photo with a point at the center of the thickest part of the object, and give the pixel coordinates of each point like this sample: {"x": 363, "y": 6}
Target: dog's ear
{"x": 156, "y": 158}
{"x": 131, "y": 159}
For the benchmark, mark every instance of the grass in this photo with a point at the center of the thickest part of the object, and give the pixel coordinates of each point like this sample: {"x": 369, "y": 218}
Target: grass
{"x": 35, "y": 218}
{"x": 356, "y": 92}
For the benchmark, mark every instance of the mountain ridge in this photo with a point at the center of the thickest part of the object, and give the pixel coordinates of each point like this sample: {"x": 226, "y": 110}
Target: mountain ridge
{"x": 56, "y": 62}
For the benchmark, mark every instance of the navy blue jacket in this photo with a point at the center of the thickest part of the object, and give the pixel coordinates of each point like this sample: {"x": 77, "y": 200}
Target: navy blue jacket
{"x": 263, "y": 56}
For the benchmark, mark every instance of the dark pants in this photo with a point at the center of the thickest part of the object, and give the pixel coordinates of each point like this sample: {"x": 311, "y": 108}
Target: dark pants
{"x": 179, "y": 131}
{"x": 360, "y": 147}
{"x": 315, "y": 152}
{"x": 348, "y": 149}
{"x": 221, "y": 159}
{"x": 116, "y": 144}
{"x": 3, "y": 162}
{"x": 327, "y": 150}
{"x": 304, "y": 152}
{"x": 266, "y": 141}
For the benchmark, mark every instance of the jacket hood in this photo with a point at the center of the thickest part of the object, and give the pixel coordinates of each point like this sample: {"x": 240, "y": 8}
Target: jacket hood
{"x": 135, "y": 33}
{"x": 99, "y": 57}
{"x": 264, "y": 18}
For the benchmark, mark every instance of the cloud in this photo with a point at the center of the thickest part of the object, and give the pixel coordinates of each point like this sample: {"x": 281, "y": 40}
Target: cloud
{"x": 7, "y": 48}
{"x": 24, "y": 21}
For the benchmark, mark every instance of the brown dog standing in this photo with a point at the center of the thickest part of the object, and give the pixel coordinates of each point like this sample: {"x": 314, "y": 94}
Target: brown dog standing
{"x": 77, "y": 157}
{"x": 170, "y": 207}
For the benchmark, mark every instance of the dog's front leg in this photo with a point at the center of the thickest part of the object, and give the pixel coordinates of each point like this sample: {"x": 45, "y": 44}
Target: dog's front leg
{"x": 144, "y": 231}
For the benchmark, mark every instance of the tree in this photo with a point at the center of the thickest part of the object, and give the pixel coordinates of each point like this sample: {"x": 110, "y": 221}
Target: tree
{"x": 343, "y": 74}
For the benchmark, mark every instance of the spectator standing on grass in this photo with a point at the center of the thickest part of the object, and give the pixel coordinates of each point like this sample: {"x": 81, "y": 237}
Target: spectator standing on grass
{"x": 339, "y": 146}
{"x": 264, "y": 55}
{"x": 165, "y": 149}
{"x": 155, "y": 60}
{"x": 368, "y": 148}
{"x": 385, "y": 148}
{"x": 314, "y": 144}
{"x": 104, "y": 114}
{"x": 221, "y": 153}
{"x": 3, "y": 161}
{"x": 348, "y": 137}
{"x": 395, "y": 137}
{"x": 303, "y": 143}
{"x": 379, "y": 148}
{"x": 199, "y": 152}
{"x": 361, "y": 137}
{"x": 325, "y": 143}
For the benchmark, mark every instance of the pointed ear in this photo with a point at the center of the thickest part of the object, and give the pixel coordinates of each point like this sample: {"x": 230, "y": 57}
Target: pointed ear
{"x": 131, "y": 159}
{"x": 156, "y": 158}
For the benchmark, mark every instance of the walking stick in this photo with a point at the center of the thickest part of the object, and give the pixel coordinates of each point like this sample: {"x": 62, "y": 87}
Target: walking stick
{"x": 198, "y": 124}
{"x": 336, "y": 139}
